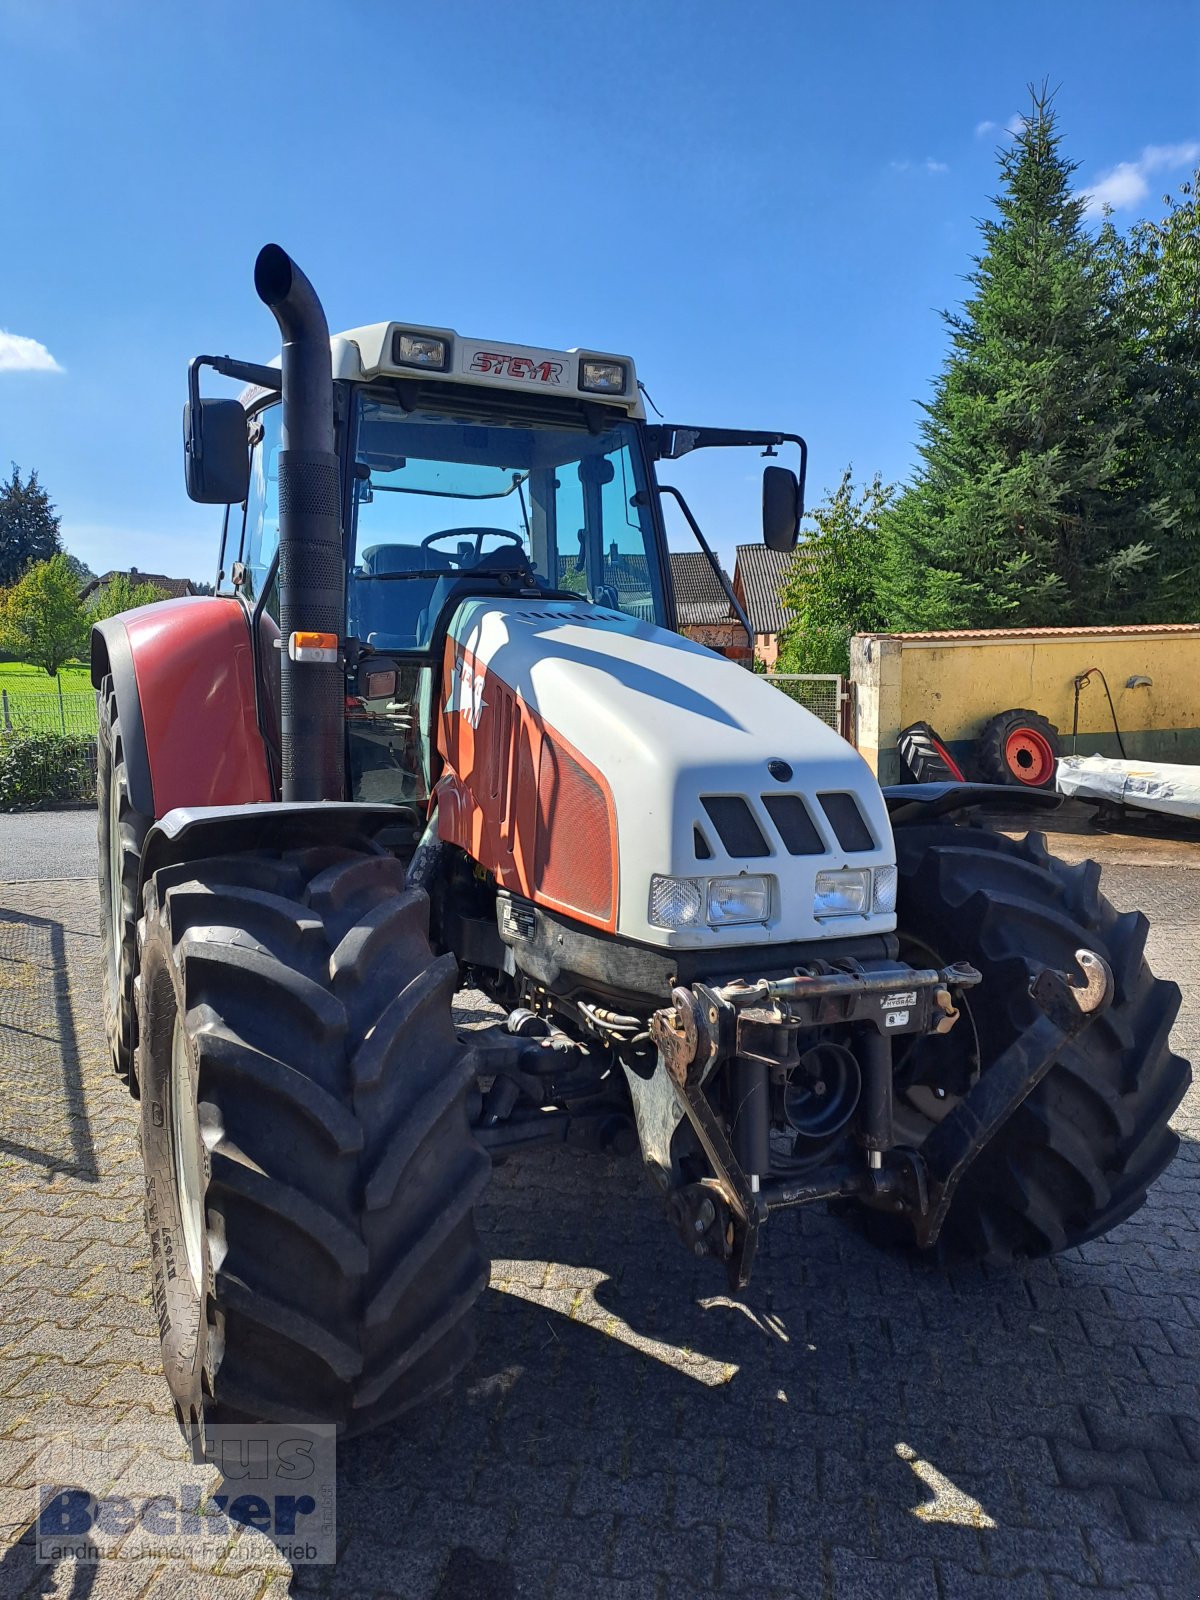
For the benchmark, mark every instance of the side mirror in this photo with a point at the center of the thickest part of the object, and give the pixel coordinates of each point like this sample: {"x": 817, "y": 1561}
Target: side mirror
{"x": 216, "y": 453}
{"x": 781, "y": 508}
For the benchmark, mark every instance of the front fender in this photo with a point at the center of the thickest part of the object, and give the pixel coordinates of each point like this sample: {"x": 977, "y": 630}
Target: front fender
{"x": 183, "y": 674}
{"x": 189, "y": 833}
{"x": 910, "y": 803}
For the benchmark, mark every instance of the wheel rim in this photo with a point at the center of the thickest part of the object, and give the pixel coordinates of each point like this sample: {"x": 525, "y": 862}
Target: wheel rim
{"x": 115, "y": 908}
{"x": 185, "y": 1142}
{"x": 1029, "y": 757}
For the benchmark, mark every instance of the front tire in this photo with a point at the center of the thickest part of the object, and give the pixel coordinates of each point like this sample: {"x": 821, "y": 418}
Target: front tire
{"x": 310, "y": 1174}
{"x": 120, "y": 832}
{"x": 1078, "y": 1155}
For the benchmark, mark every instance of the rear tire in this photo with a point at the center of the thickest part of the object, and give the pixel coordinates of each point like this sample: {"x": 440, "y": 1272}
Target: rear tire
{"x": 1078, "y": 1155}
{"x": 120, "y": 831}
{"x": 296, "y": 1033}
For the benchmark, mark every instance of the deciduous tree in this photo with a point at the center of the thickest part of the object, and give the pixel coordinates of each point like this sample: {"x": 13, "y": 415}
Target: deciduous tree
{"x": 832, "y": 589}
{"x": 120, "y": 593}
{"x": 42, "y": 619}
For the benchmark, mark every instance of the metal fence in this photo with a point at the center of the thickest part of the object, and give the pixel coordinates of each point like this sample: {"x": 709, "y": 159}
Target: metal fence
{"x": 822, "y": 693}
{"x": 47, "y": 711}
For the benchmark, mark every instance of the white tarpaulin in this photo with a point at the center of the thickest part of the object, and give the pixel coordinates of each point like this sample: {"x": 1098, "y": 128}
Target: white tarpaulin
{"x": 1152, "y": 785}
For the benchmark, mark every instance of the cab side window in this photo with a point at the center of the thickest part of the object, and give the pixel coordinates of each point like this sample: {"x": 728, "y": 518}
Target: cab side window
{"x": 260, "y": 539}
{"x": 231, "y": 547}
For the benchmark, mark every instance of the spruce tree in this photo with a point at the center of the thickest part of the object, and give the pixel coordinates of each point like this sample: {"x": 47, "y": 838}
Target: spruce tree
{"x": 28, "y": 526}
{"x": 1022, "y": 514}
{"x": 1160, "y": 267}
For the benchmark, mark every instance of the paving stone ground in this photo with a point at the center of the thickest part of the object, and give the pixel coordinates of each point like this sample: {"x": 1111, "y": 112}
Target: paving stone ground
{"x": 858, "y": 1426}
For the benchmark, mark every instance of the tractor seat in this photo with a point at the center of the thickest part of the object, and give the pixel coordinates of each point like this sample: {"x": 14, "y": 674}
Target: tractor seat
{"x": 379, "y": 558}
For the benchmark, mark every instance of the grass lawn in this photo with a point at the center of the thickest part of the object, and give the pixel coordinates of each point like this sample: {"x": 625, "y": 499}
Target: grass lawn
{"x": 19, "y": 678}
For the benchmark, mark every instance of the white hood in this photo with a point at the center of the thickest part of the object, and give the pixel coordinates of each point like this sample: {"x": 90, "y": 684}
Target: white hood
{"x": 668, "y": 722}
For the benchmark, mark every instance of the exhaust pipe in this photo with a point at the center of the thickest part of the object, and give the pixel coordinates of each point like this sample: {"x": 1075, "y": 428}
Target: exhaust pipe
{"x": 312, "y": 577}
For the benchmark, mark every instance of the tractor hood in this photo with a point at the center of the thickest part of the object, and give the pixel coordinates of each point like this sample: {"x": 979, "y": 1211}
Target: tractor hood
{"x": 589, "y": 753}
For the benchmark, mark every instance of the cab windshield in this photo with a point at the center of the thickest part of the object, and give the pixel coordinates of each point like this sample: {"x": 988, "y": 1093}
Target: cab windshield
{"x": 439, "y": 498}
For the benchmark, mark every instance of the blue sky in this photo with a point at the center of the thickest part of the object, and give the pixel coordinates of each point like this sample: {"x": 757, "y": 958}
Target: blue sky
{"x": 765, "y": 204}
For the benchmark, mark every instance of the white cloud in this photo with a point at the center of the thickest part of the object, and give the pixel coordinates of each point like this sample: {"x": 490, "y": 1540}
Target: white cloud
{"x": 1011, "y": 125}
{"x": 928, "y": 165}
{"x": 21, "y": 354}
{"x": 1128, "y": 183}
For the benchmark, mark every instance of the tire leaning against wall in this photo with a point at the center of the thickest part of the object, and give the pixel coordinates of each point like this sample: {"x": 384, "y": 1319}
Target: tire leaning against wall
{"x": 1018, "y": 747}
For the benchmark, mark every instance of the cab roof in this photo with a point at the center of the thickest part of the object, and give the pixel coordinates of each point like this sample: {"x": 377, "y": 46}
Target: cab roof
{"x": 378, "y": 350}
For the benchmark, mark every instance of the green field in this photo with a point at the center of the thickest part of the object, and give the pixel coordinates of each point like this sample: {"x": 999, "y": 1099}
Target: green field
{"x": 19, "y": 678}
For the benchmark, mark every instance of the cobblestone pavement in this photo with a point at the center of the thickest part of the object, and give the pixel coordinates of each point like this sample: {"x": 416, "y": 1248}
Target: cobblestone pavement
{"x": 859, "y": 1426}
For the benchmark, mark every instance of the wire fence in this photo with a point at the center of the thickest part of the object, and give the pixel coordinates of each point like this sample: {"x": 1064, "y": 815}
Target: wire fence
{"x": 822, "y": 693}
{"x": 47, "y": 711}
{"x": 47, "y": 747}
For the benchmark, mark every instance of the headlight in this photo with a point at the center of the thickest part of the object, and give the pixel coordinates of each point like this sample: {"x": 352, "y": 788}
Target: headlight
{"x": 721, "y": 902}
{"x": 676, "y": 902}
{"x": 741, "y": 899}
{"x": 843, "y": 893}
{"x": 884, "y": 898}
{"x": 602, "y": 377}
{"x": 418, "y": 350}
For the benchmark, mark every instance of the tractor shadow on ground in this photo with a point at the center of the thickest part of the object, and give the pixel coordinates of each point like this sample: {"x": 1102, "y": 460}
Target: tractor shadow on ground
{"x": 43, "y": 1115}
{"x": 626, "y": 1419}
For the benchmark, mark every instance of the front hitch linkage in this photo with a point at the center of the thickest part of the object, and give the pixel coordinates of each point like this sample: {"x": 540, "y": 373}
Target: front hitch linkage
{"x": 756, "y": 1025}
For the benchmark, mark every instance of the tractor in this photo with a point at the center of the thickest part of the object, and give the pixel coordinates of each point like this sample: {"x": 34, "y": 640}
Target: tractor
{"x": 436, "y": 730}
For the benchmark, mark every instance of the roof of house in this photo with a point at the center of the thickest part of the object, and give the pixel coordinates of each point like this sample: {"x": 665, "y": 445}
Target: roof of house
{"x": 699, "y": 597}
{"x": 954, "y": 636}
{"x": 760, "y": 574}
{"x": 173, "y": 588}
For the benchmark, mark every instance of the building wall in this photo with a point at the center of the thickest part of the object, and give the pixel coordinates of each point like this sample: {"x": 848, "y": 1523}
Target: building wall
{"x": 727, "y": 637}
{"x": 766, "y": 649}
{"x": 957, "y": 681}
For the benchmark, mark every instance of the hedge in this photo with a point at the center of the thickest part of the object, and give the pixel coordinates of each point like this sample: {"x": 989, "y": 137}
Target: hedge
{"x": 41, "y": 768}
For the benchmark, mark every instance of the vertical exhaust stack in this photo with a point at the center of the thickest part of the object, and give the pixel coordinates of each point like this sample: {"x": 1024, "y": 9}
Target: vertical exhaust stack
{"x": 312, "y": 579}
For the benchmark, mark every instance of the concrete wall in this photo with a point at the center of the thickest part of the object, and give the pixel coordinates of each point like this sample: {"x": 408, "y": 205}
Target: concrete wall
{"x": 956, "y": 681}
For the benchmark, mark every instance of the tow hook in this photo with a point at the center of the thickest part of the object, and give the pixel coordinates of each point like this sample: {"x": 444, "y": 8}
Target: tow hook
{"x": 1097, "y": 986}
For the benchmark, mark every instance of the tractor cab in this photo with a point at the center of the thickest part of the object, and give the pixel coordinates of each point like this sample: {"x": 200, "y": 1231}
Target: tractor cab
{"x": 467, "y": 469}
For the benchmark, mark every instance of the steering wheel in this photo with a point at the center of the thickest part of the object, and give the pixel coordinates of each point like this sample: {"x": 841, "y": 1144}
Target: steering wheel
{"x": 478, "y": 535}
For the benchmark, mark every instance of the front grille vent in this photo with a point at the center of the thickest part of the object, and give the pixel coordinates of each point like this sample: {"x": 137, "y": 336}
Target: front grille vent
{"x": 796, "y": 828}
{"x": 847, "y": 822}
{"x": 735, "y": 825}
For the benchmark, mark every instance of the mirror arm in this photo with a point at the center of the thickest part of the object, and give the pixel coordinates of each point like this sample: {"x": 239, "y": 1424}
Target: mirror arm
{"x": 228, "y": 367}
{"x": 668, "y": 441}
{"x": 669, "y": 488}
